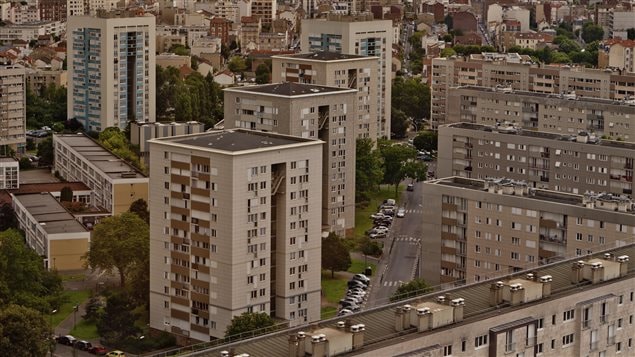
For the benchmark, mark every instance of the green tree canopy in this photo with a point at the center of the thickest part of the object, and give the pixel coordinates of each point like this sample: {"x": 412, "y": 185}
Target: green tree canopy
{"x": 25, "y": 332}
{"x": 119, "y": 242}
{"x": 410, "y": 289}
{"x": 427, "y": 140}
{"x": 335, "y": 254}
{"x": 248, "y": 322}
{"x": 398, "y": 123}
{"x": 412, "y": 97}
{"x": 237, "y": 64}
{"x": 263, "y": 74}
{"x": 399, "y": 162}
{"x": 46, "y": 106}
{"x": 448, "y": 52}
{"x": 115, "y": 140}
{"x": 368, "y": 171}
{"x": 118, "y": 320}
{"x": 179, "y": 49}
{"x": 23, "y": 278}
{"x": 66, "y": 194}
{"x": 45, "y": 152}
{"x": 592, "y": 32}
{"x": 140, "y": 208}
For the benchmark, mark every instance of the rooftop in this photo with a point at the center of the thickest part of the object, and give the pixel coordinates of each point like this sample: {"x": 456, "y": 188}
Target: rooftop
{"x": 103, "y": 159}
{"x": 8, "y": 160}
{"x": 49, "y": 213}
{"x": 380, "y": 321}
{"x": 235, "y": 140}
{"x": 325, "y": 56}
{"x": 289, "y": 89}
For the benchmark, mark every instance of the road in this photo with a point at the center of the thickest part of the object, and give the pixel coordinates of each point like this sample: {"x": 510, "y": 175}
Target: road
{"x": 401, "y": 249}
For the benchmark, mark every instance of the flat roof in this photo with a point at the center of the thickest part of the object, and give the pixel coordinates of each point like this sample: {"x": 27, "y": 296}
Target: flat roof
{"x": 8, "y": 159}
{"x": 96, "y": 154}
{"x": 49, "y": 213}
{"x": 235, "y": 140}
{"x": 290, "y": 89}
{"x": 326, "y": 56}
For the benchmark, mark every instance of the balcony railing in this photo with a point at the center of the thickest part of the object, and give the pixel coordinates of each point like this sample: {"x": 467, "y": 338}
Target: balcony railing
{"x": 586, "y": 324}
{"x": 593, "y": 346}
{"x": 604, "y": 319}
{"x": 510, "y": 347}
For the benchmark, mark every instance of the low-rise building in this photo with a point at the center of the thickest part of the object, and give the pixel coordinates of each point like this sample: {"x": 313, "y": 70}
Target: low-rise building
{"x": 51, "y": 231}
{"x": 115, "y": 182}
{"x": 166, "y": 60}
{"x": 31, "y": 31}
{"x": 39, "y": 79}
{"x": 9, "y": 173}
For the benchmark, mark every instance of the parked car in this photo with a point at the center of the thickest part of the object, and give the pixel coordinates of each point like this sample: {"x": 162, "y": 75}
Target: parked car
{"x": 388, "y": 211}
{"x": 115, "y": 354}
{"x": 344, "y": 312}
{"x": 377, "y": 235}
{"x": 361, "y": 277}
{"x": 377, "y": 215}
{"x": 351, "y": 306}
{"x": 350, "y": 299}
{"x": 356, "y": 284}
{"x": 390, "y": 202}
{"x": 83, "y": 345}
{"x": 67, "y": 340}
{"x": 401, "y": 213}
{"x": 98, "y": 350}
{"x": 410, "y": 187}
{"x": 356, "y": 291}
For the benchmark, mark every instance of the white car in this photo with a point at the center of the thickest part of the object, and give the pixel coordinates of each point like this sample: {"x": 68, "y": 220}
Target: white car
{"x": 401, "y": 213}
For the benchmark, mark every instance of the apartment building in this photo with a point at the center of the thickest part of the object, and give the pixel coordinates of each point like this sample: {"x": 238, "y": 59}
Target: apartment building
{"x": 31, "y": 31}
{"x": 357, "y": 35}
{"x": 111, "y": 69}
{"x": 13, "y": 104}
{"x": 141, "y": 133}
{"x": 53, "y": 10}
{"x": 519, "y": 73}
{"x": 568, "y": 163}
{"x": 234, "y": 227}
{"x": 336, "y": 70}
{"x": 51, "y": 231}
{"x": 116, "y": 183}
{"x": 39, "y": 79}
{"x": 9, "y": 173}
{"x": 577, "y": 307}
{"x": 480, "y": 229}
{"x": 307, "y": 111}
{"x": 265, "y": 10}
{"x": 553, "y": 113}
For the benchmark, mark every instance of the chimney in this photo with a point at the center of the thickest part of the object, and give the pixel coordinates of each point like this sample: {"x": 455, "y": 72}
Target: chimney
{"x": 224, "y": 353}
{"x": 576, "y": 272}
{"x": 406, "y": 317}
{"x": 458, "y": 305}
{"x": 424, "y": 315}
{"x": 294, "y": 346}
{"x": 318, "y": 345}
{"x": 358, "y": 335}
{"x": 623, "y": 260}
{"x": 517, "y": 294}
{"x": 399, "y": 319}
{"x": 496, "y": 293}
{"x": 546, "y": 285}
{"x": 597, "y": 272}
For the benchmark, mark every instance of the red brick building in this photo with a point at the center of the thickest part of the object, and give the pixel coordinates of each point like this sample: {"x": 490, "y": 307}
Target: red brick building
{"x": 219, "y": 27}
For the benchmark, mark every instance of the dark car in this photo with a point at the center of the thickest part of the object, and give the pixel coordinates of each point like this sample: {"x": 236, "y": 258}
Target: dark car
{"x": 67, "y": 340}
{"x": 410, "y": 187}
{"x": 98, "y": 350}
{"x": 83, "y": 345}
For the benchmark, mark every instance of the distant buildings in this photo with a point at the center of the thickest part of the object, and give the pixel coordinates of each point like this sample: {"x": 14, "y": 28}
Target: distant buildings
{"x": 13, "y": 104}
{"x": 234, "y": 228}
{"x": 357, "y": 35}
{"x": 9, "y": 173}
{"x": 116, "y": 184}
{"x": 307, "y": 111}
{"x": 141, "y": 133}
{"x": 111, "y": 70}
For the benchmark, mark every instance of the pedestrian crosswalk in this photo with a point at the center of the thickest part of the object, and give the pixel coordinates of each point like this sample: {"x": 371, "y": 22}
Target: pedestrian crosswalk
{"x": 393, "y": 283}
{"x": 414, "y": 211}
{"x": 407, "y": 239}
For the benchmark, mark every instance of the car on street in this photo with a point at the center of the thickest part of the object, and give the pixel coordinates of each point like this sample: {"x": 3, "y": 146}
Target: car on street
{"x": 115, "y": 354}
{"x": 67, "y": 340}
{"x": 410, "y": 187}
{"x": 401, "y": 213}
{"x": 98, "y": 350}
{"x": 351, "y": 306}
{"x": 83, "y": 345}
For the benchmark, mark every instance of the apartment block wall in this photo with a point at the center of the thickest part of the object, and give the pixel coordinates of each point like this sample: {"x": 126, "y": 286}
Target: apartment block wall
{"x": 472, "y": 235}
{"x": 231, "y": 233}
{"x": 9, "y": 173}
{"x": 328, "y": 116}
{"x": 357, "y": 73}
{"x": 13, "y": 102}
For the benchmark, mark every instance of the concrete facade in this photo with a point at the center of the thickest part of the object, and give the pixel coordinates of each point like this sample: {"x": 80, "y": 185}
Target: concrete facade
{"x": 13, "y": 103}
{"x": 234, "y": 228}
{"x": 9, "y": 173}
{"x": 336, "y": 70}
{"x": 141, "y": 133}
{"x": 307, "y": 111}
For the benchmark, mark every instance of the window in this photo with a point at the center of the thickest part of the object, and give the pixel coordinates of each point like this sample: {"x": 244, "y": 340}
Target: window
{"x": 568, "y": 315}
{"x": 480, "y": 341}
{"x": 541, "y": 324}
{"x": 567, "y": 340}
{"x": 447, "y": 350}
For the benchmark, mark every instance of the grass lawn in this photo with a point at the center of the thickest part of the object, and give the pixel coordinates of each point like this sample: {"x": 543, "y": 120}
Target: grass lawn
{"x": 333, "y": 289}
{"x": 362, "y": 214}
{"x": 85, "y": 330}
{"x": 359, "y": 266}
{"x": 75, "y": 277}
{"x": 328, "y": 312}
{"x": 72, "y": 298}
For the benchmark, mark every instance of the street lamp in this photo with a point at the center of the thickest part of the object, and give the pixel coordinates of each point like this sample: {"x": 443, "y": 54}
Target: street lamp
{"x": 53, "y": 342}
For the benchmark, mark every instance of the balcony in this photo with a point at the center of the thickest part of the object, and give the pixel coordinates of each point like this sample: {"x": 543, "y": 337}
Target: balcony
{"x": 531, "y": 341}
{"x": 553, "y": 239}
{"x": 611, "y": 340}
{"x": 586, "y": 324}
{"x": 510, "y": 347}
{"x": 604, "y": 319}
{"x": 593, "y": 346}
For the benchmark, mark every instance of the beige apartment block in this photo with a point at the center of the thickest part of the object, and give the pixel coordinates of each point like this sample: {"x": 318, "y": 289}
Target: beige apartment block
{"x": 111, "y": 69}
{"x": 37, "y": 80}
{"x": 51, "y": 230}
{"x": 141, "y": 133}
{"x": 9, "y": 173}
{"x": 13, "y": 103}
{"x": 520, "y": 74}
{"x": 357, "y": 35}
{"x": 476, "y": 230}
{"x": 235, "y": 227}
{"x": 336, "y": 70}
{"x": 308, "y": 111}
{"x": 116, "y": 183}
{"x": 578, "y": 307}
{"x": 568, "y": 163}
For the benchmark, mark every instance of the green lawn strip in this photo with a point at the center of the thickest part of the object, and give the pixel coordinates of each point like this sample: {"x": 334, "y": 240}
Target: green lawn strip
{"x": 358, "y": 266}
{"x": 74, "y": 277}
{"x": 363, "y": 222}
{"x": 85, "y": 330}
{"x": 333, "y": 289}
{"x": 71, "y": 298}
{"x": 328, "y": 312}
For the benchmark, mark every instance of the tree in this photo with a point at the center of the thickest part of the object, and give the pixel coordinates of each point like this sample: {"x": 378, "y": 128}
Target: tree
{"x": 7, "y": 217}
{"x": 449, "y": 21}
{"x": 412, "y": 97}
{"x": 66, "y": 194}
{"x": 119, "y": 242}
{"x": 140, "y": 208}
{"x": 93, "y": 309}
{"x": 448, "y": 52}
{"x": 249, "y": 322}
{"x": 399, "y": 162}
{"x": 115, "y": 140}
{"x": 263, "y": 74}
{"x": 398, "y": 123}
{"x": 25, "y": 163}
{"x": 25, "y": 332}
{"x": 118, "y": 319}
{"x": 410, "y": 289}
{"x": 237, "y": 64}
{"x": 370, "y": 247}
{"x": 368, "y": 172}
{"x": 179, "y": 49}
{"x": 335, "y": 254}
{"x": 592, "y": 32}
{"x": 427, "y": 140}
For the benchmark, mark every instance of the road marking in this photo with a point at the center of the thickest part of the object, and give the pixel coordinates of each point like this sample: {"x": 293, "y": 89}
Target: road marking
{"x": 408, "y": 239}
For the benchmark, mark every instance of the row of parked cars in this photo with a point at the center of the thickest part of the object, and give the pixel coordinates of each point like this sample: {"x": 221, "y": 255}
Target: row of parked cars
{"x": 70, "y": 340}
{"x": 355, "y": 295}
{"x": 382, "y": 220}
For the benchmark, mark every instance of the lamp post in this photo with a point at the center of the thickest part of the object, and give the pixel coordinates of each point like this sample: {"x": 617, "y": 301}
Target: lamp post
{"x": 53, "y": 342}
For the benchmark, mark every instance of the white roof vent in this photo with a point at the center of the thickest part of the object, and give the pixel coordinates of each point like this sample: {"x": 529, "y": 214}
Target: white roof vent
{"x": 301, "y": 334}
{"x": 515, "y": 287}
{"x": 500, "y": 284}
{"x": 341, "y": 324}
{"x": 407, "y": 307}
{"x": 596, "y": 265}
{"x": 546, "y": 278}
{"x": 457, "y": 302}
{"x": 423, "y": 310}
{"x": 441, "y": 298}
{"x": 622, "y": 258}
